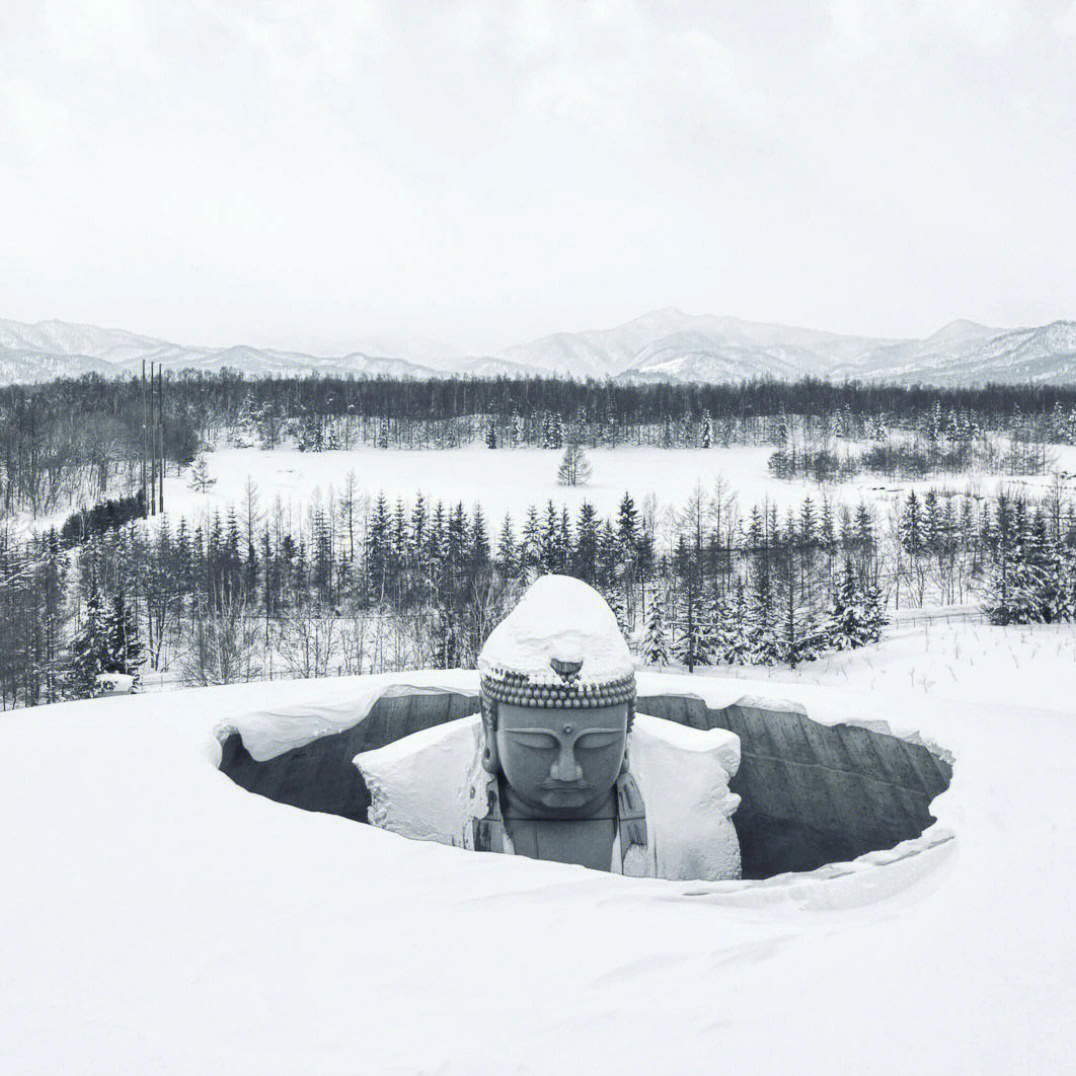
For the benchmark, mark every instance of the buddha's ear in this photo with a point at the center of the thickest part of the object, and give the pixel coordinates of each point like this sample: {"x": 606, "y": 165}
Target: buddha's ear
{"x": 490, "y": 759}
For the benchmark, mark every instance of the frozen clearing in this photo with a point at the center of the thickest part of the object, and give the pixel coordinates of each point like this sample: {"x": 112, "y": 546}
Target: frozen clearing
{"x": 510, "y": 480}
{"x": 157, "y": 918}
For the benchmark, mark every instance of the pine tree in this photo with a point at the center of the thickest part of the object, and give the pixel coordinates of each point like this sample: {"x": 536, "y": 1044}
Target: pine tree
{"x": 491, "y": 434}
{"x": 549, "y": 555}
{"x": 556, "y": 431}
{"x": 611, "y": 568}
{"x": 89, "y": 649}
{"x": 732, "y": 644}
{"x": 874, "y": 606}
{"x": 696, "y": 644}
{"x": 563, "y": 542}
{"x": 762, "y": 634}
{"x": 530, "y": 542}
{"x": 418, "y": 530}
{"x": 856, "y": 613}
{"x": 378, "y": 549}
{"x": 628, "y": 528}
{"x": 52, "y": 618}
{"x": 584, "y": 558}
{"x": 479, "y": 541}
{"x": 911, "y": 527}
{"x": 122, "y": 643}
{"x": 656, "y": 643}
{"x": 615, "y": 600}
{"x": 507, "y": 551}
{"x": 706, "y": 430}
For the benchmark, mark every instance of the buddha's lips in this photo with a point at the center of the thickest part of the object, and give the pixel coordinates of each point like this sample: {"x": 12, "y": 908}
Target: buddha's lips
{"x": 550, "y": 787}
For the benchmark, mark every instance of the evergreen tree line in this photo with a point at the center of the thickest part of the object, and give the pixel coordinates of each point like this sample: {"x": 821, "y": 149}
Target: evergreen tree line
{"x": 359, "y": 585}
{"x": 938, "y": 443}
{"x": 105, "y": 516}
{"x": 73, "y": 441}
{"x": 1032, "y": 576}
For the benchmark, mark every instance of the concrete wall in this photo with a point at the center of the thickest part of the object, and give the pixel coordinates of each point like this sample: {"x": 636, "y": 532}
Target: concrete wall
{"x": 814, "y": 794}
{"x": 811, "y": 794}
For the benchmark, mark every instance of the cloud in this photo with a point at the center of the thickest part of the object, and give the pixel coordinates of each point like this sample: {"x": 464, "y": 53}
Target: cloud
{"x": 1066, "y": 23}
{"x": 989, "y": 25}
{"x": 100, "y": 30}
{"x": 512, "y": 169}
{"x": 36, "y": 121}
{"x": 849, "y": 22}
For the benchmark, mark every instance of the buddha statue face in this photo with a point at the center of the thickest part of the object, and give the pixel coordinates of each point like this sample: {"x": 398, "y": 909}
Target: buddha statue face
{"x": 560, "y": 763}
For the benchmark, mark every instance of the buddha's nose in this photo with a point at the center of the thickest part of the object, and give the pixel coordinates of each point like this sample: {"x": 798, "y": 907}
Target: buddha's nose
{"x": 565, "y": 768}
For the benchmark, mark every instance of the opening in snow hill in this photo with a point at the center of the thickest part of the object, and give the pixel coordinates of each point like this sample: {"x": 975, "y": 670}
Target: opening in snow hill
{"x": 811, "y": 794}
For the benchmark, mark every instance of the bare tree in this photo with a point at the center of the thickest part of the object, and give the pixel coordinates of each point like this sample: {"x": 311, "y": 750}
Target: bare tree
{"x": 223, "y": 646}
{"x": 308, "y": 640}
{"x": 574, "y": 469}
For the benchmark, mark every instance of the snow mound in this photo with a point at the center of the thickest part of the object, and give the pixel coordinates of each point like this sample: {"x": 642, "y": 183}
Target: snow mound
{"x": 559, "y": 618}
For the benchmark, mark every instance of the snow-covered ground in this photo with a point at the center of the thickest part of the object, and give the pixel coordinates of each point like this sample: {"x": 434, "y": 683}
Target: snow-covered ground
{"x": 510, "y": 480}
{"x": 972, "y": 663}
{"x": 157, "y": 918}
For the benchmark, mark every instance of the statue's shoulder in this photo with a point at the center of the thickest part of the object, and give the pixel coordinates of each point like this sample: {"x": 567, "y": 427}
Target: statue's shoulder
{"x": 418, "y": 784}
{"x": 664, "y": 743}
{"x": 683, "y": 776}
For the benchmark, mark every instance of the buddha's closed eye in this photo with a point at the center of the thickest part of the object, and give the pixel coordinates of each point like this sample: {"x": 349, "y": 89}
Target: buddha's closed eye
{"x": 545, "y": 741}
{"x": 592, "y": 741}
{"x": 537, "y": 741}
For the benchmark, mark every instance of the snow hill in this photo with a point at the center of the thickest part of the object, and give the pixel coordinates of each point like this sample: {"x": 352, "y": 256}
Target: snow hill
{"x": 663, "y": 346}
{"x": 156, "y": 917}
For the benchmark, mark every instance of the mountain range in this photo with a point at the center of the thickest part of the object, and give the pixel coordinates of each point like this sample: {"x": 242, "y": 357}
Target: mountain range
{"x": 663, "y": 346}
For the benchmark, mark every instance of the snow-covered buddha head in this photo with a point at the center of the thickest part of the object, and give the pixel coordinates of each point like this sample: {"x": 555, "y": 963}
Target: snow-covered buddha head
{"x": 558, "y": 699}
{"x": 544, "y": 772}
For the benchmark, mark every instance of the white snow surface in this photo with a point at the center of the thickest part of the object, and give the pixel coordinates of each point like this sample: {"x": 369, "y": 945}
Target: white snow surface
{"x": 157, "y": 918}
{"x": 511, "y": 480}
{"x": 558, "y": 618}
{"x": 418, "y": 789}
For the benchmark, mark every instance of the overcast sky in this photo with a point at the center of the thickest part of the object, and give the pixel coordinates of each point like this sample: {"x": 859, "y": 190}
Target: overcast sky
{"x": 306, "y": 174}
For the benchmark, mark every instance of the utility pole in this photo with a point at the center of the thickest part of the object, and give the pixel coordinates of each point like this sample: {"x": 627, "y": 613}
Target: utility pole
{"x": 145, "y": 491}
{"x": 160, "y": 433}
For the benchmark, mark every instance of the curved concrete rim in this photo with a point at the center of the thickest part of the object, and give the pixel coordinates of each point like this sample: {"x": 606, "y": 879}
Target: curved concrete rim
{"x": 864, "y": 879}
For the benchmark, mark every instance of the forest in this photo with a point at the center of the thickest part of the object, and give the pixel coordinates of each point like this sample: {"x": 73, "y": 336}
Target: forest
{"x": 77, "y": 442}
{"x": 373, "y": 586}
{"x": 363, "y": 584}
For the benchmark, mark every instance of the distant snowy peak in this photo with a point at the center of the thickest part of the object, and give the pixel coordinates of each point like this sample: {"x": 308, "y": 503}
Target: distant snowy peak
{"x": 664, "y": 346}
{"x": 601, "y": 353}
{"x": 960, "y": 333}
{"x": 88, "y": 341}
{"x": 961, "y": 353}
{"x": 18, "y": 367}
{"x": 1041, "y": 355}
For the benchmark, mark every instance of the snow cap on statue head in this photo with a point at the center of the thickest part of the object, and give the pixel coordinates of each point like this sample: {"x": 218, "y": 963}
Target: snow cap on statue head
{"x": 559, "y": 647}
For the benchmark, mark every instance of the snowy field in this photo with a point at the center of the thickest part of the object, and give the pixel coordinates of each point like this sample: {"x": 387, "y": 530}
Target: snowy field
{"x": 967, "y": 663}
{"x": 157, "y": 918}
{"x": 510, "y": 480}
